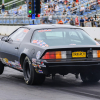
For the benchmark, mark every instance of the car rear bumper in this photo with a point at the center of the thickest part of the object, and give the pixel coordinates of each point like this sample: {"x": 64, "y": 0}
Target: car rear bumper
{"x": 64, "y": 67}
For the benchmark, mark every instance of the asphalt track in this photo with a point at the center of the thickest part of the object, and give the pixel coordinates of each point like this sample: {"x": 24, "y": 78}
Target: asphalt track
{"x": 12, "y": 87}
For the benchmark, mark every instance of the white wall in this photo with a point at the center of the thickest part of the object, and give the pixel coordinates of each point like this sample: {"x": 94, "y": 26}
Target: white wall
{"x": 94, "y": 32}
{"x": 7, "y": 29}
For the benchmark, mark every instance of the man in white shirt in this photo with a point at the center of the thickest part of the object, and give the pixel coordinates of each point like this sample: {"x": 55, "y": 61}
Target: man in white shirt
{"x": 56, "y": 8}
{"x": 82, "y": 9}
{"x": 46, "y": 6}
{"x": 97, "y": 21}
{"x": 50, "y": 19}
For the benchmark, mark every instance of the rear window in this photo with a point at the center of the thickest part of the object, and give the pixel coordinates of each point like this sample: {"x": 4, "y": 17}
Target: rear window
{"x": 59, "y": 37}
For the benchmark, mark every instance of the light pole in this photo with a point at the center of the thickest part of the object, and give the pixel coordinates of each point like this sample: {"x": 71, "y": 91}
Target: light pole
{"x": 2, "y": 1}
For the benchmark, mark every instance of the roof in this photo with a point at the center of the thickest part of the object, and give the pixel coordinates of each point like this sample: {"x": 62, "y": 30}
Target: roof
{"x": 49, "y": 26}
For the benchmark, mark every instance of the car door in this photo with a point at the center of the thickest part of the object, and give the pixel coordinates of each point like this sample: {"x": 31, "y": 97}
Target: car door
{"x": 10, "y": 49}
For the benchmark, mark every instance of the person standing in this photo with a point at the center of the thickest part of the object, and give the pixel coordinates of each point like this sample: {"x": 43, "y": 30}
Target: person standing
{"x": 71, "y": 21}
{"x": 3, "y": 8}
{"x": 76, "y": 21}
{"x": 97, "y": 21}
{"x": 50, "y": 19}
{"x": 92, "y": 22}
{"x": 82, "y": 22}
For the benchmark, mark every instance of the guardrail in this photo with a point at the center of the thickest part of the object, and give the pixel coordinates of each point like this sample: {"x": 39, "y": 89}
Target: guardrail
{"x": 24, "y": 20}
{"x": 11, "y": 3}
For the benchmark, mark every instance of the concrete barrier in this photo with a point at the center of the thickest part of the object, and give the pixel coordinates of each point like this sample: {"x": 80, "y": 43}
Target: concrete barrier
{"x": 94, "y": 32}
{"x": 7, "y": 30}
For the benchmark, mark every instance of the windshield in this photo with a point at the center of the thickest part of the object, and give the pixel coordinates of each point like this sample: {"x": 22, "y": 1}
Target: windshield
{"x": 59, "y": 37}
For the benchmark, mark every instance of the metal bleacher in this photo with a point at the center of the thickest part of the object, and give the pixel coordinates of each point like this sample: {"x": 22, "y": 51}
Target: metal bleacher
{"x": 22, "y": 18}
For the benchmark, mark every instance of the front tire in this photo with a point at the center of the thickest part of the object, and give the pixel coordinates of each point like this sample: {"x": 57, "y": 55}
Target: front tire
{"x": 30, "y": 75}
{"x": 1, "y": 67}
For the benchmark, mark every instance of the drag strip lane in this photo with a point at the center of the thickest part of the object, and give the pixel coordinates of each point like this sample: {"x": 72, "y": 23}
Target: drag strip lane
{"x": 67, "y": 87}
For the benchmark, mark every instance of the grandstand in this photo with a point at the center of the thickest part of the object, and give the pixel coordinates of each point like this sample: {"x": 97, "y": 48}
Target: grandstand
{"x": 16, "y": 11}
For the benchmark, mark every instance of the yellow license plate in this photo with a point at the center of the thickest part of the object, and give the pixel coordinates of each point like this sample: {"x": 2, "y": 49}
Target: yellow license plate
{"x": 78, "y": 54}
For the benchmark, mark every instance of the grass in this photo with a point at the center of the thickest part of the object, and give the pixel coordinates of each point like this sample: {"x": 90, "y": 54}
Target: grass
{"x": 11, "y": 6}
{"x": 5, "y": 1}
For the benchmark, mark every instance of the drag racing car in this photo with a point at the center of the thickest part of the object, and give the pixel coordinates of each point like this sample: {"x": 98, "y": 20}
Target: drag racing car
{"x": 40, "y": 51}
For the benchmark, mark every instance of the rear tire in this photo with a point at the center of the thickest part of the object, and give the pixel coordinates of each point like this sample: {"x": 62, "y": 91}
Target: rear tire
{"x": 30, "y": 75}
{"x": 90, "y": 77}
{"x": 1, "y": 67}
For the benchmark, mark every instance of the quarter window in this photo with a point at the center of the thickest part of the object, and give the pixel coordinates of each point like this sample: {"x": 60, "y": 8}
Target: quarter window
{"x": 19, "y": 34}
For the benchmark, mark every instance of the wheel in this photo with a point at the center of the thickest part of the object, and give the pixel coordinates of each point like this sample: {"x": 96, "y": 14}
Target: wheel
{"x": 30, "y": 75}
{"x": 1, "y": 67}
{"x": 90, "y": 76}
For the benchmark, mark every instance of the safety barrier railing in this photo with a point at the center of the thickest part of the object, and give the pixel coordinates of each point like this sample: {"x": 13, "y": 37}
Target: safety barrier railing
{"x": 13, "y": 4}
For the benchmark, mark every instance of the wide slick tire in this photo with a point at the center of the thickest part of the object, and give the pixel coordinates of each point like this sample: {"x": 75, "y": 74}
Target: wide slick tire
{"x": 30, "y": 75}
{"x": 1, "y": 67}
{"x": 90, "y": 76}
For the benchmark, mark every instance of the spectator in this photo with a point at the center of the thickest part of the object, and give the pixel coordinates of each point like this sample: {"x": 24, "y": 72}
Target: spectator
{"x": 3, "y": 8}
{"x": 66, "y": 21}
{"x": 52, "y": 12}
{"x": 6, "y": 13}
{"x": 82, "y": 9}
{"x": 82, "y": 22}
{"x": 92, "y": 22}
{"x": 45, "y": 19}
{"x": 15, "y": 12}
{"x": 60, "y": 1}
{"x": 60, "y": 22}
{"x": 73, "y": 4}
{"x": 97, "y": 21}
{"x": 76, "y": 21}
{"x": 77, "y": 1}
{"x": 71, "y": 21}
{"x": 88, "y": 7}
{"x": 86, "y": 22}
{"x": 20, "y": 10}
{"x": 46, "y": 7}
{"x": 57, "y": 21}
{"x": 86, "y": 19}
{"x": 64, "y": 12}
{"x": 92, "y": 6}
{"x": 73, "y": 8}
{"x": 68, "y": 7}
{"x": 66, "y": 2}
{"x": 98, "y": 2}
{"x": 25, "y": 2}
{"x": 50, "y": 19}
{"x": 56, "y": 8}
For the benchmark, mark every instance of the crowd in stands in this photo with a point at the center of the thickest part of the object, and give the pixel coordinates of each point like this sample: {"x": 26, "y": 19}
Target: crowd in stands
{"x": 62, "y": 9}
{"x": 83, "y": 22}
{"x": 70, "y": 7}
{"x": 15, "y": 11}
{"x": 67, "y": 7}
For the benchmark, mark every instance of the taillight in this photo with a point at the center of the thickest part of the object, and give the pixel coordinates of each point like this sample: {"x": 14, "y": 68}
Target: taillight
{"x": 55, "y": 55}
{"x": 96, "y": 53}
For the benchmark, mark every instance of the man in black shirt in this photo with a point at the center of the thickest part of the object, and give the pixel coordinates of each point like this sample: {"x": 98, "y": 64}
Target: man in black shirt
{"x": 92, "y": 22}
{"x": 82, "y": 22}
{"x": 3, "y": 8}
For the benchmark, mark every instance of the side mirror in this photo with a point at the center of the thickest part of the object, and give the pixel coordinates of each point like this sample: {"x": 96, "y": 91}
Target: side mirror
{"x": 6, "y": 38}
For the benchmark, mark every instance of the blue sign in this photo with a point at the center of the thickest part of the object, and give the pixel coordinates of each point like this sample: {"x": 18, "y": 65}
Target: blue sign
{"x": 33, "y": 16}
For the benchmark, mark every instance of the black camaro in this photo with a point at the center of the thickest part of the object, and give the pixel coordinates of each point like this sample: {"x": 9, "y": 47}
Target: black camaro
{"x": 44, "y": 50}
